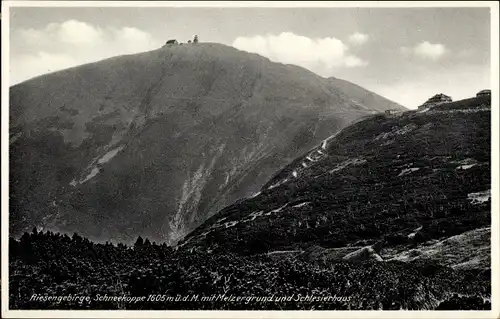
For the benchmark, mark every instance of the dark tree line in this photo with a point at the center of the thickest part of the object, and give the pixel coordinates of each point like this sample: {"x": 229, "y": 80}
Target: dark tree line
{"x": 47, "y": 263}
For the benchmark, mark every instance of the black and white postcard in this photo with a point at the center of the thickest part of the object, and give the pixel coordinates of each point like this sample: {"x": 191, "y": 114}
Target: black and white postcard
{"x": 250, "y": 158}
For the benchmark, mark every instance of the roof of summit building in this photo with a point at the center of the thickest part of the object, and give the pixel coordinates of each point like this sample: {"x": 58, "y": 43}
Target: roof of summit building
{"x": 439, "y": 97}
{"x": 486, "y": 91}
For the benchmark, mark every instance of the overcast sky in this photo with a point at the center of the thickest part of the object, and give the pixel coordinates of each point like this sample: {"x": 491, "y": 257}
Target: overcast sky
{"x": 404, "y": 54}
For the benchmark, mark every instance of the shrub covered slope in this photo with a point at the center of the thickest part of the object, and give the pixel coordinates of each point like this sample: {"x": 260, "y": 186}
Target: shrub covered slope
{"x": 416, "y": 183}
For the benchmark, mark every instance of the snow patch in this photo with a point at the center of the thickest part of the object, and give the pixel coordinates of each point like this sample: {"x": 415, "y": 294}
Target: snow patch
{"x": 325, "y": 141}
{"x": 466, "y": 166}
{"x": 183, "y": 244}
{"x": 465, "y": 163}
{"x": 226, "y": 180}
{"x": 294, "y": 173}
{"x": 407, "y": 171}
{"x": 344, "y": 164}
{"x": 93, "y": 173}
{"x": 231, "y": 223}
{"x": 480, "y": 197}
{"x": 415, "y": 231}
{"x": 254, "y": 215}
{"x": 277, "y": 210}
{"x": 304, "y": 165}
{"x": 255, "y": 195}
{"x": 95, "y": 170}
{"x": 301, "y": 204}
{"x": 109, "y": 155}
{"x": 278, "y": 183}
{"x": 205, "y": 233}
{"x": 315, "y": 156}
{"x": 221, "y": 219}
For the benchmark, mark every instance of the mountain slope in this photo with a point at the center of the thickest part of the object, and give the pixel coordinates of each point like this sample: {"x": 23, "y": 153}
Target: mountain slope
{"x": 391, "y": 213}
{"x": 403, "y": 180}
{"x": 360, "y": 95}
{"x": 152, "y": 144}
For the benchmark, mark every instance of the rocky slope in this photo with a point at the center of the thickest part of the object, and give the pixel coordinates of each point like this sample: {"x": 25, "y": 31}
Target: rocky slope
{"x": 152, "y": 144}
{"x": 391, "y": 213}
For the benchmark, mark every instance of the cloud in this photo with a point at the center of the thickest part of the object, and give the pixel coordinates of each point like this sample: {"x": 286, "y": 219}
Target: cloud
{"x": 430, "y": 51}
{"x": 426, "y": 50}
{"x": 358, "y": 38}
{"x": 40, "y": 63}
{"x": 76, "y": 32}
{"x": 70, "y": 43}
{"x": 318, "y": 55}
{"x": 353, "y": 61}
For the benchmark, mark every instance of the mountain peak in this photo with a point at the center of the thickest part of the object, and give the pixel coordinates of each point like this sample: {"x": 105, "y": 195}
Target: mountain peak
{"x": 154, "y": 143}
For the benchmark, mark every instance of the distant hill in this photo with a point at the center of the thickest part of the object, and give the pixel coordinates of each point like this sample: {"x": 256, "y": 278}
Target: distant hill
{"x": 362, "y": 96}
{"x": 153, "y": 143}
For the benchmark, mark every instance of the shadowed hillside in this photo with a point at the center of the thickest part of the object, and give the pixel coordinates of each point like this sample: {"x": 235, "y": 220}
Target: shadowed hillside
{"x": 154, "y": 143}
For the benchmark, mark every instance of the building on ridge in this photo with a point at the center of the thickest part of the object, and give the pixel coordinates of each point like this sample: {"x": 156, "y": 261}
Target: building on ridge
{"x": 437, "y": 99}
{"x": 484, "y": 93}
